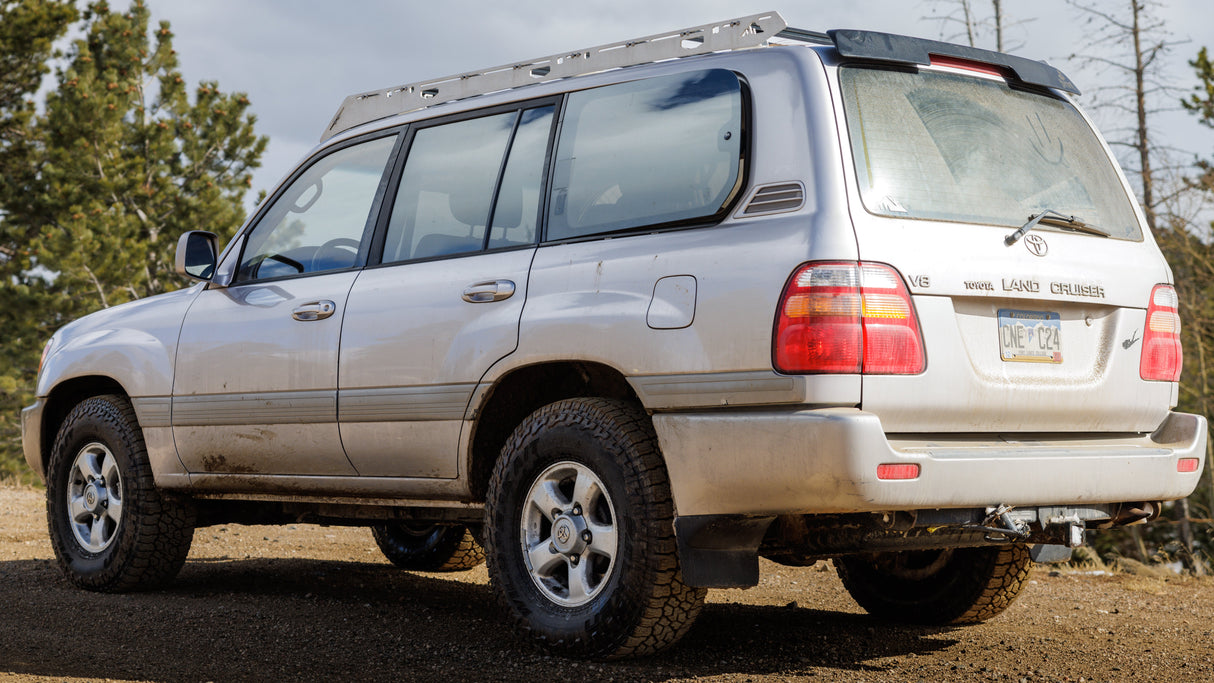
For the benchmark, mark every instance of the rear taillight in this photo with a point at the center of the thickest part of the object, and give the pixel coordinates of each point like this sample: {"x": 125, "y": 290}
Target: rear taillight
{"x": 847, "y": 317}
{"x": 1161, "y": 352}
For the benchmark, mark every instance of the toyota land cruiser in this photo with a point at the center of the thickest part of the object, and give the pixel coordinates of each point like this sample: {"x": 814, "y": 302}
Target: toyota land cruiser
{"x": 623, "y": 320}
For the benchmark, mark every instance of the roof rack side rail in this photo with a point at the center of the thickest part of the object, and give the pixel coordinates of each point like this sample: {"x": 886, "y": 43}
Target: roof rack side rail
{"x": 731, "y": 34}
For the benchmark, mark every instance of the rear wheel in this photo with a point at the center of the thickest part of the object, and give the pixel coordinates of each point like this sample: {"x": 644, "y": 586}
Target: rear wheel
{"x": 580, "y": 536}
{"x": 111, "y": 529}
{"x": 952, "y": 586}
{"x": 429, "y": 547}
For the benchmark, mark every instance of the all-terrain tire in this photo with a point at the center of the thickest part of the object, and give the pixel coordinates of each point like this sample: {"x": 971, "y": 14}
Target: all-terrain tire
{"x": 934, "y": 587}
{"x": 590, "y": 466}
{"x": 110, "y": 528}
{"x": 429, "y": 547}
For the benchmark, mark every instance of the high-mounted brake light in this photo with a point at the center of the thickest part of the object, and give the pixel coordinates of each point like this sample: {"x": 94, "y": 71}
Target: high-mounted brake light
{"x": 847, "y": 317}
{"x": 1162, "y": 356}
{"x": 969, "y": 65}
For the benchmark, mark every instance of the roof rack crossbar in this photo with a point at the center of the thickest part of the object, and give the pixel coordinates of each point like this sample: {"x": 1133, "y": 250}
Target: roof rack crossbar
{"x": 732, "y": 34}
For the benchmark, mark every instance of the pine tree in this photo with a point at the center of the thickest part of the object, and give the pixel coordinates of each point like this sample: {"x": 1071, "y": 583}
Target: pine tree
{"x": 28, "y": 30}
{"x": 129, "y": 161}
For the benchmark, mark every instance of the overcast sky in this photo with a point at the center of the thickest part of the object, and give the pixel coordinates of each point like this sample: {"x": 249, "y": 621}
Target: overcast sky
{"x": 298, "y": 59}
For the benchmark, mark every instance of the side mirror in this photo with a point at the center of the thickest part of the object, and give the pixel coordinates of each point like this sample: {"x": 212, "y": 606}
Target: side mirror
{"x": 197, "y": 254}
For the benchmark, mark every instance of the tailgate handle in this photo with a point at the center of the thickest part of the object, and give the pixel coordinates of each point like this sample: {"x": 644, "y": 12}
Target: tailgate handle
{"x": 485, "y": 292}
{"x": 316, "y": 310}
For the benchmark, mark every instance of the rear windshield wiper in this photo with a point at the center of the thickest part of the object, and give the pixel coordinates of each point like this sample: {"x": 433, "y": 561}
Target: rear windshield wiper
{"x": 1052, "y": 217}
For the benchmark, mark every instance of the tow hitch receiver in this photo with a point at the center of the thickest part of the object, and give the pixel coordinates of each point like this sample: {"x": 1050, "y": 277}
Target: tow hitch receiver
{"x": 1069, "y": 530}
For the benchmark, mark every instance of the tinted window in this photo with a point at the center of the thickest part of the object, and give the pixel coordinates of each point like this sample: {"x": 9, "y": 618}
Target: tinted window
{"x": 951, "y": 147}
{"x": 648, "y": 152}
{"x": 442, "y": 206}
{"x": 518, "y": 199}
{"x": 317, "y": 223}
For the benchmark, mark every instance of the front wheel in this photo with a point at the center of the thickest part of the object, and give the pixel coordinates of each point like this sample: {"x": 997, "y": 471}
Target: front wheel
{"x": 580, "y": 536}
{"x": 111, "y": 529}
{"x": 935, "y": 587}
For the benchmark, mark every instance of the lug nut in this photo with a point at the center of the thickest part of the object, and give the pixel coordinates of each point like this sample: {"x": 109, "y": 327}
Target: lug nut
{"x": 586, "y": 536}
{"x": 573, "y": 559}
{"x": 577, "y": 510}
{"x": 552, "y": 548}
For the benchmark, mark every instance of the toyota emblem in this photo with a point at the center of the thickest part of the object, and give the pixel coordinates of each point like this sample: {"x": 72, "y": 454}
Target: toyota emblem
{"x": 1036, "y": 244}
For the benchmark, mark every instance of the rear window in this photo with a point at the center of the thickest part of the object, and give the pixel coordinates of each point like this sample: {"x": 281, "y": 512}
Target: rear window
{"x": 943, "y": 146}
{"x": 657, "y": 151}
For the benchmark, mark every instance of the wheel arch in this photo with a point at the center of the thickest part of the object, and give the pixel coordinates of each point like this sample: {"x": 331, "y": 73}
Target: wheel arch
{"x": 524, "y": 390}
{"x": 60, "y": 401}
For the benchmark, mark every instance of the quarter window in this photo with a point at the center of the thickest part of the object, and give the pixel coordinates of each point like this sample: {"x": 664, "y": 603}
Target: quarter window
{"x": 318, "y": 222}
{"x": 657, "y": 151}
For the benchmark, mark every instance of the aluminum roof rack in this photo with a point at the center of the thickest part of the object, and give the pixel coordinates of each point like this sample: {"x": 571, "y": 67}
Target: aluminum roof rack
{"x": 732, "y": 34}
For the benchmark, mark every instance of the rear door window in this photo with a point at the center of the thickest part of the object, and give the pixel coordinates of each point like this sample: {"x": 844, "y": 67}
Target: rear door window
{"x": 664, "y": 150}
{"x": 452, "y": 175}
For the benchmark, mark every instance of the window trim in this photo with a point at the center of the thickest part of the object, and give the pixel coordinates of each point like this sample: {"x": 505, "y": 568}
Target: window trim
{"x": 373, "y": 212}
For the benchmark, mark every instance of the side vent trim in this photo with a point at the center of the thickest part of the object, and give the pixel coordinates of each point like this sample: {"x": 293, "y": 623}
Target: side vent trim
{"x": 776, "y": 198}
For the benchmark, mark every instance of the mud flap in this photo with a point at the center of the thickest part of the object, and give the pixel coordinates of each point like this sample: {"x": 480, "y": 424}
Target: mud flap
{"x": 720, "y": 551}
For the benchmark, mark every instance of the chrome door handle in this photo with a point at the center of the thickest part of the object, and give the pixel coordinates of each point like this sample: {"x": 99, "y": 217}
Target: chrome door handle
{"x": 315, "y": 310}
{"x": 484, "y": 292}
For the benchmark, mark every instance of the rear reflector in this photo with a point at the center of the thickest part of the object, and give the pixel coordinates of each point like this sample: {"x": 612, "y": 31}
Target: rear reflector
{"x": 847, "y": 317}
{"x": 1187, "y": 465}
{"x": 1162, "y": 356}
{"x": 898, "y": 471}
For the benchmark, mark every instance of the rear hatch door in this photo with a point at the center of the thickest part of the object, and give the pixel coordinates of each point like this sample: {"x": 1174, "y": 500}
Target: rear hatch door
{"x": 1039, "y": 331}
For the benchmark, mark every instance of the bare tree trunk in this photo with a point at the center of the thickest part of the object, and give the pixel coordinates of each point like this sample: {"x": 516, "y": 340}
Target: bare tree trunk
{"x": 1140, "y": 100}
{"x": 969, "y": 21}
{"x": 998, "y": 4}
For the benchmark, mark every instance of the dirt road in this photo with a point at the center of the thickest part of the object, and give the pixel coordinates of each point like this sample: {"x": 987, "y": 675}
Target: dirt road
{"x": 320, "y": 603}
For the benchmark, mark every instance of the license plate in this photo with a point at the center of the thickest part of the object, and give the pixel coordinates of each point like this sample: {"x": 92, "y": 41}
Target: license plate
{"x": 1030, "y": 336}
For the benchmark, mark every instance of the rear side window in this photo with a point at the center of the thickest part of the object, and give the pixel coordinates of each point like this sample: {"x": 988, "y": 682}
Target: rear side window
{"x": 950, "y": 147}
{"x": 453, "y": 174}
{"x": 658, "y": 151}
{"x": 446, "y": 190}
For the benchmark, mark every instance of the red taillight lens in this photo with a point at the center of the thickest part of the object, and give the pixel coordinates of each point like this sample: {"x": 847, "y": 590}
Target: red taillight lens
{"x": 847, "y": 317}
{"x": 1187, "y": 465}
{"x": 1161, "y": 353}
{"x": 898, "y": 471}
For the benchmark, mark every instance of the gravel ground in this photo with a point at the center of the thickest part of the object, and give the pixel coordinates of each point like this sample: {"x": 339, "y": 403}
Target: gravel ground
{"x": 321, "y": 603}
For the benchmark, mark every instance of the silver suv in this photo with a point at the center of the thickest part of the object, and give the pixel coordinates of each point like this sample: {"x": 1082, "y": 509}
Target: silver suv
{"x": 623, "y": 320}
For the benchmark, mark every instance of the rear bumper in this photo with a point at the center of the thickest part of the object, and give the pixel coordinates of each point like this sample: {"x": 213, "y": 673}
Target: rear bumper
{"x": 31, "y": 436}
{"x": 825, "y": 461}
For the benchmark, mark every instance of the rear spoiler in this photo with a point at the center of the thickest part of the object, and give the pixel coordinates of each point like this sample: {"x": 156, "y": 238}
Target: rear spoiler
{"x": 887, "y": 47}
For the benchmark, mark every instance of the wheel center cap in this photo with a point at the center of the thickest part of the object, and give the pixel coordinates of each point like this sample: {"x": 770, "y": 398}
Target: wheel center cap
{"x": 92, "y": 498}
{"x": 566, "y": 535}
